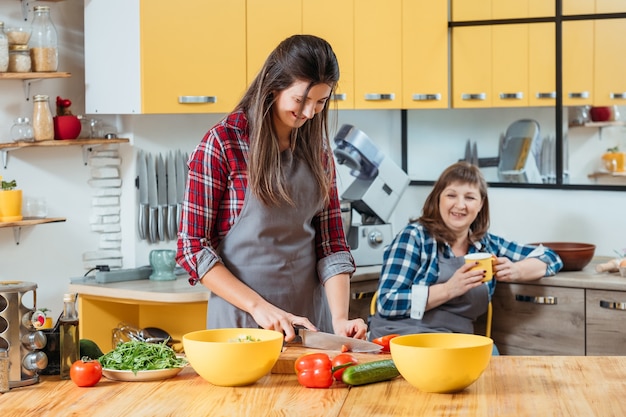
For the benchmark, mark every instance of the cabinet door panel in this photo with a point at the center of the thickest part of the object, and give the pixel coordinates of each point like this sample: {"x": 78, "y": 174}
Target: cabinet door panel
{"x": 338, "y": 30}
{"x": 463, "y": 10}
{"x": 471, "y": 67}
{"x": 538, "y": 320}
{"x": 578, "y": 63}
{"x": 541, "y": 64}
{"x": 610, "y": 6}
{"x": 510, "y": 65}
{"x": 610, "y": 62}
{"x": 606, "y": 322}
{"x": 424, "y": 64}
{"x": 184, "y": 54}
{"x": 378, "y": 54}
{"x": 570, "y": 7}
{"x": 268, "y": 23}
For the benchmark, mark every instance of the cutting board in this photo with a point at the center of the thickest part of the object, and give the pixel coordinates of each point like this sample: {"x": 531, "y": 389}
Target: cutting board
{"x": 291, "y": 353}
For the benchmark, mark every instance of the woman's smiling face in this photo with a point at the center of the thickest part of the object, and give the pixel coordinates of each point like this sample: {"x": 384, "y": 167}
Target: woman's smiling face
{"x": 288, "y": 111}
{"x": 459, "y": 204}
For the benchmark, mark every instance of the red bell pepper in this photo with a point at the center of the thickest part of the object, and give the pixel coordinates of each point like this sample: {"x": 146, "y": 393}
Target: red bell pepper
{"x": 384, "y": 341}
{"x": 314, "y": 370}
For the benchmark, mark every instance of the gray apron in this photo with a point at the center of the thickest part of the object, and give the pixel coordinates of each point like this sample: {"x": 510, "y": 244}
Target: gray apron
{"x": 455, "y": 316}
{"x": 272, "y": 250}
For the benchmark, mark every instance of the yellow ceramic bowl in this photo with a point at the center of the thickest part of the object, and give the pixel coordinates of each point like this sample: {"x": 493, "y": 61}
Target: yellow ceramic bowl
{"x": 441, "y": 362}
{"x": 218, "y": 357}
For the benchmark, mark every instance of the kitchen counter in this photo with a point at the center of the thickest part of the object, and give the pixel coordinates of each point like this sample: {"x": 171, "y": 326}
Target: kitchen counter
{"x": 588, "y": 278}
{"x": 511, "y": 386}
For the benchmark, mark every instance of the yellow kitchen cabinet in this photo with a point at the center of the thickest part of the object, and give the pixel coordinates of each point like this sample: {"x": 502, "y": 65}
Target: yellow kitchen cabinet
{"x": 578, "y": 61}
{"x": 191, "y": 55}
{"x": 339, "y": 32}
{"x": 610, "y": 6}
{"x": 574, "y": 7}
{"x": 424, "y": 64}
{"x": 541, "y": 64}
{"x": 610, "y": 63}
{"x": 510, "y": 65}
{"x": 471, "y": 67}
{"x": 160, "y": 57}
{"x": 268, "y": 23}
{"x": 464, "y": 10}
{"x": 378, "y": 54}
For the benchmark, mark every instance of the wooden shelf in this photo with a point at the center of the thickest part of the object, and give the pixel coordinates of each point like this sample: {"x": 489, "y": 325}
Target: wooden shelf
{"x": 17, "y": 226}
{"x": 607, "y": 174}
{"x": 32, "y": 75}
{"x": 600, "y": 124}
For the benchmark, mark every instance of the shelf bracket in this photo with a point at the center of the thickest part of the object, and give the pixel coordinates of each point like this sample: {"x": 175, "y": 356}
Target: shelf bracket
{"x": 16, "y": 234}
{"x": 25, "y": 10}
{"x": 86, "y": 151}
{"x": 26, "y": 84}
{"x": 5, "y": 158}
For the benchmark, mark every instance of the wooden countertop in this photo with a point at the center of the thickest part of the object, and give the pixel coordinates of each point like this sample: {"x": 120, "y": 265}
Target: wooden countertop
{"x": 511, "y": 386}
{"x": 587, "y": 278}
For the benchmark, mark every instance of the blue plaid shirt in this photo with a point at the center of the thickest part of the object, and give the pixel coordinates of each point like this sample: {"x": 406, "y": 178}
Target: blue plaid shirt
{"x": 412, "y": 258}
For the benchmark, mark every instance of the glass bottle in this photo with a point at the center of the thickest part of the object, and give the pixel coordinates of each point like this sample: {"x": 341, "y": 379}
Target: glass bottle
{"x": 4, "y": 49}
{"x": 69, "y": 337}
{"x": 22, "y": 130}
{"x": 43, "y": 41}
{"x": 43, "y": 125}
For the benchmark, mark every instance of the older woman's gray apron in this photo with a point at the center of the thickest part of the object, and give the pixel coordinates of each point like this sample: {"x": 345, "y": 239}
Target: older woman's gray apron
{"x": 456, "y": 316}
{"x": 272, "y": 250}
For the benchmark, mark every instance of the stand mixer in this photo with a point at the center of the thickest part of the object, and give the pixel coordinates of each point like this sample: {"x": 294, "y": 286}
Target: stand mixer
{"x": 379, "y": 183}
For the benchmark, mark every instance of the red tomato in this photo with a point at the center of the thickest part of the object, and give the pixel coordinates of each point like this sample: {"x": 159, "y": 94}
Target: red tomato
{"x": 341, "y": 362}
{"x": 384, "y": 341}
{"x": 86, "y": 373}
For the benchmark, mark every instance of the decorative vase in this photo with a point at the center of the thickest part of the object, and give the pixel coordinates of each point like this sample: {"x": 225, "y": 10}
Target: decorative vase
{"x": 163, "y": 263}
{"x": 10, "y": 205}
{"x": 66, "y": 127}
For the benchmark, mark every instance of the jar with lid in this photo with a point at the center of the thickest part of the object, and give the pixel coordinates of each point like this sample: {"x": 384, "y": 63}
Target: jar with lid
{"x": 4, "y": 49}
{"x": 19, "y": 58}
{"x": 43, "y": 41}
{"x": 22, "y": 131}
{"x": 43, "y": 125}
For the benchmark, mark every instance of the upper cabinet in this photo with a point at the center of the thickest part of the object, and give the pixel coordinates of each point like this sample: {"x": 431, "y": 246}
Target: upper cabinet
{"x": 162, "y": 57}
{"x": 574, "y": 7}
{"x": 465, "y": 10}
{"x": 471, "y": 67}
{"x": 610, "y": 62}
{"x": 424, "y": 64}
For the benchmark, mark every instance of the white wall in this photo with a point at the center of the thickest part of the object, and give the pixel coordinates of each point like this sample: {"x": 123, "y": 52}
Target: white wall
{"x": 51, "y": 254}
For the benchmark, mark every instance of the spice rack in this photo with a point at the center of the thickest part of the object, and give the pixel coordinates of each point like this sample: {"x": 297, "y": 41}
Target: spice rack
{"x": 87, "y": 144}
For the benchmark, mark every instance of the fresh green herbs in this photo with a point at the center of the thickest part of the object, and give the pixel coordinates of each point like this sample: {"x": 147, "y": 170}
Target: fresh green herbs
{"x": 244, "y": 338}
{"x": 141, "y": 356}
{"x": 9, "y": 185}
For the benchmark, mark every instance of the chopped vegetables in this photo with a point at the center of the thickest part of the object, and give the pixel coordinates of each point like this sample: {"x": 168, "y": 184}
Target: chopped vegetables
{"x": 141, "y": 356}
{"x": 244, "y": 338}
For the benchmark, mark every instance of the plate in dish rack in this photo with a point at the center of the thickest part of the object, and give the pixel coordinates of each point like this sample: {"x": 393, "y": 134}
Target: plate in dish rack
{"x": 130, "y": 376}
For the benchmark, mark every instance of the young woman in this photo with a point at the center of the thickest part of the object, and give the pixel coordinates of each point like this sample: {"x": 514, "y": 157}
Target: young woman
{"x": 261, "y": 223}
{"x": 425, "y": 285}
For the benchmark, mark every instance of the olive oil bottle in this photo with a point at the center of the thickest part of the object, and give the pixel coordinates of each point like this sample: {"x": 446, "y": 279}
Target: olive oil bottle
{"x": 69, "y": 337}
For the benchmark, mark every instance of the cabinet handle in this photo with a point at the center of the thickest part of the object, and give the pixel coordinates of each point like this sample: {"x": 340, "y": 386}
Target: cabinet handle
{"x": 512, "y": 96}
{"x": 196, "y": 99}
{"x": 474, "y": 96}
{"x": 551, "y": 94}
{"x": 618, "y": 96}
{"x": 427, "y": 97}
{"x": 612, "y": 305}
{"x": 535, "y": 300}
{"x": 380, "y": 97}
{"x": 339, "y": 97}
{"x": 584, "y": 94}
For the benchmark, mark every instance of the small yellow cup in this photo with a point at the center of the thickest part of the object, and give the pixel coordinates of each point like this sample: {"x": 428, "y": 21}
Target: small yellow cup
{"x": 484, "y": 263}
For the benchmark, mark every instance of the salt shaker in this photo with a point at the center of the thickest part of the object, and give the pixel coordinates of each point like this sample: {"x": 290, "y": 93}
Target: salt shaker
{"x": 4, "y": 370}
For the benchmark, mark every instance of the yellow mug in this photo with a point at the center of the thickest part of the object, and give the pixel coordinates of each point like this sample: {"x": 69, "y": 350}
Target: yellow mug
{"x": 614, "y": 161}
{"x": 484, "y": 263}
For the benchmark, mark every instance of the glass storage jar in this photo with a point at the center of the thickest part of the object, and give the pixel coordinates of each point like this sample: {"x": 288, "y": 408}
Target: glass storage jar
{"x": 4, "y": 49}
{"x": 19, "y": 58}
{"x": 43, "y": 41}
{"x": 43, "y": 126}
{"x": 22, "y": 131}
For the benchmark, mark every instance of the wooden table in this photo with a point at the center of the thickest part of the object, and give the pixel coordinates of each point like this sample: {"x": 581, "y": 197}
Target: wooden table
{"x": 511, "y": 386}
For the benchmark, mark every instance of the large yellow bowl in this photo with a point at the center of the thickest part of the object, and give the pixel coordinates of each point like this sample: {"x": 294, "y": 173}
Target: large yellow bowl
{"x": 441, "y": 362}
{"x": 218, "y": 358}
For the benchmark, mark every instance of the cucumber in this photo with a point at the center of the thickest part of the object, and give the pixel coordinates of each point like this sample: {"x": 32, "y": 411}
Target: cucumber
{"x": 370, "y": 372}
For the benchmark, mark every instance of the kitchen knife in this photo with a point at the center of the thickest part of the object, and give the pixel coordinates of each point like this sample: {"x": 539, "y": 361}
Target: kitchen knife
{"x": 162, "y": 198}
{"x": 153, "y": 201}
{"x": 327, "y": 341}
{"x": 142, "y": 175}
{"x": 171, "y": 196}
{"x": 181, "y": 180}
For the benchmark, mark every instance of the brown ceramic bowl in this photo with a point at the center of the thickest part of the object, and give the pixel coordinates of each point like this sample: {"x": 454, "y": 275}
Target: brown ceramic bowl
{"x": 575, "y": 256}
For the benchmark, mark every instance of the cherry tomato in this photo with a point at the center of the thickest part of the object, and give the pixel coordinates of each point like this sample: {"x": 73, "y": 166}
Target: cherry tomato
{"x": 86, "y": 373}
{"x": 341, "y": 362}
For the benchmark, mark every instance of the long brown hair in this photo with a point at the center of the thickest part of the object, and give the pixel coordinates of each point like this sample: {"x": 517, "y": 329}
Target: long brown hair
{"x": 463, "y": 173}
{"x": 297, "y": 58}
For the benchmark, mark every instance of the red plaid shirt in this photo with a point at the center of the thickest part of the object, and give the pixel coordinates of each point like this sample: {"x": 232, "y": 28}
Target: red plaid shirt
{"x": 214, "y": 196}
